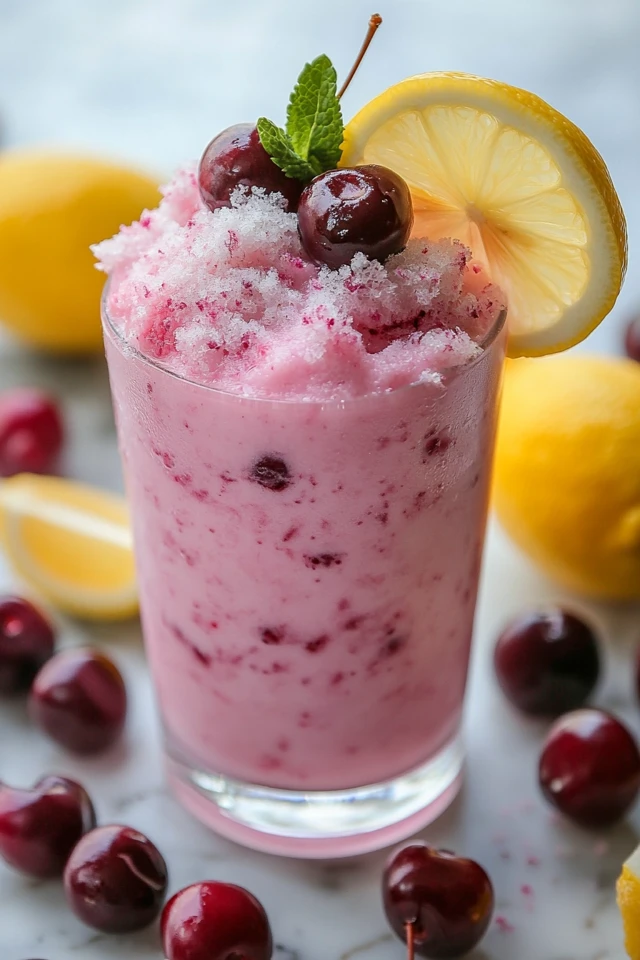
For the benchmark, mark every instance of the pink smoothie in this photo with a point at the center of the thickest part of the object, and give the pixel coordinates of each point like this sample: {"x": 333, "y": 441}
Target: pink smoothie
{"x": 307, "y": 455}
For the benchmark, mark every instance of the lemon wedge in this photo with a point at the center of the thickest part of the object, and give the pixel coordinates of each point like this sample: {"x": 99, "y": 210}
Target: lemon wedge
{"x": 499, "y": 169}
{"x": 71, "y": 544}
{"x": 628, "y": 894}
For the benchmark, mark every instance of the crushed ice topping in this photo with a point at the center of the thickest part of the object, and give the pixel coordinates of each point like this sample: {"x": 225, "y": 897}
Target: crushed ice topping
{"x": 231, "y": 300}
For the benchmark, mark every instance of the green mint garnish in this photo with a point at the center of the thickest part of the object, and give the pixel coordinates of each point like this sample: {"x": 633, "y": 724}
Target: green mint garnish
{"x": 314, "y": 117}
{"x": 312, "y": 140}
{"x": 278, "y": 145}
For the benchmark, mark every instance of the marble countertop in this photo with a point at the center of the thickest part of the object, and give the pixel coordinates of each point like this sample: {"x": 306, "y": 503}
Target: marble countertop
{"x": 152, "y": 80}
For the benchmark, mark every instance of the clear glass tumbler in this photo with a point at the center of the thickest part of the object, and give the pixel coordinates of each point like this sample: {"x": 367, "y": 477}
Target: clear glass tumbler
{"x": 308, "y": 575}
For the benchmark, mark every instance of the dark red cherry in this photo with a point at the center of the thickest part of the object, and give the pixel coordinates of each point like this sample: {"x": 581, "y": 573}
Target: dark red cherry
{"x": 40, "y": 827}
{"x": 590, "y": 768}
{"x": 439, "y": 903}
{"x": 632, "y": 339}
{"x": 547, "y": 663}
{"x": 364, "y": 209}
{"x": 80, "y": 700}
{"x": 116, "y": 880}
{"x": 237, "y": 158}
{"x": 31, "y": 432}
{"x": 27, "y": 641}
{"x": 215, "y": 921}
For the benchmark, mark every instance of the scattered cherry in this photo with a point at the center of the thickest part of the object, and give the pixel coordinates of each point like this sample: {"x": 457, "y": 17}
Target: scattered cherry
{"x": 440, "y": 904}
{"x": 364, "y": 209}
{"x": 215, "y": 921}
{"x": 632, "y": 339}
{"x": 80, "y": 700}
{"x": 547, "y": 663}
{"x": 590, "y": 768}
{"x": 40, "y": 827}
{"x": 31, "y": 432}
{"x": 237, "y": 158}
{"x": 116, "y": 880}
{"x": 27, "y": 641}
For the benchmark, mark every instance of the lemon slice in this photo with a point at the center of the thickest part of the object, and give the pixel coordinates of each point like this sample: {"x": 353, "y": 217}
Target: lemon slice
{"x": 522, "y": 186}
{"x": 628, "y": 894}
{"x": 71, "y": 543}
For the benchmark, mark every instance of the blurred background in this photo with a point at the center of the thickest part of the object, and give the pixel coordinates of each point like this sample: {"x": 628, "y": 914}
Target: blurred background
{"x": 151, "y": 81}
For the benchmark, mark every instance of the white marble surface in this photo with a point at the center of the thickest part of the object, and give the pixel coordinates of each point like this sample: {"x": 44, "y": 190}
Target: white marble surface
{"x": 152, "y": 80}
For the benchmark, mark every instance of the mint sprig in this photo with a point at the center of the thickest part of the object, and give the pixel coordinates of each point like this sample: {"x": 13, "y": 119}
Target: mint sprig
{"x": 314, "y": 117}
{"x": 280, "y": 148}
{"x": 311, "y": 142}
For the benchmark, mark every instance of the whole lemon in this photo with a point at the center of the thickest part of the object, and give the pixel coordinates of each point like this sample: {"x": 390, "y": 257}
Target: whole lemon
{"x": 567, "y": 473}
{"x": 52, "y": 206}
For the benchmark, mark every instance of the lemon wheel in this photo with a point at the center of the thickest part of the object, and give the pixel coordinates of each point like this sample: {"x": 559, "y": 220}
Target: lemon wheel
{"x": 522, "y": 186}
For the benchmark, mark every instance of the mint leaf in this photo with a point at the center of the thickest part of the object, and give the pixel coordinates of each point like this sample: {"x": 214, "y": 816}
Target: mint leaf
{"x": 314, "y": 117}
{"x": 280, "y": 148}
{"x": 312, "y": 141}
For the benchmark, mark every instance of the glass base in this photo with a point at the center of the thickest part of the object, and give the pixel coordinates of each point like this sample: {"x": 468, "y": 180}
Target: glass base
{"x": 319, "y": 824}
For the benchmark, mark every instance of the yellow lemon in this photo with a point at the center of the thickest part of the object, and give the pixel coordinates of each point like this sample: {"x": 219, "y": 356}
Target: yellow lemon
{"x": 71, "y": 543}
{"x": 522, "y": 186}
{"x": 52, "y": 206}
{"x": 628, "y": 891}
{"x": 567, "y": 470}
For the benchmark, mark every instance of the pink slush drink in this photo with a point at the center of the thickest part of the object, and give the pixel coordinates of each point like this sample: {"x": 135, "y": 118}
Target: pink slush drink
{"x": 307, "y": 454}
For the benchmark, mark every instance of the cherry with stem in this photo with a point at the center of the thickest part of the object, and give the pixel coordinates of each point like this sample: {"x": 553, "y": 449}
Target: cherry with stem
{"x": 438, "y": 903}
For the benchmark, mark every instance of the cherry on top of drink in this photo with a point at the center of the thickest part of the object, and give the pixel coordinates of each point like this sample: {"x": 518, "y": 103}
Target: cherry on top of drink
{"x": 364, "y": 209}
{"x": 236, "y": 158}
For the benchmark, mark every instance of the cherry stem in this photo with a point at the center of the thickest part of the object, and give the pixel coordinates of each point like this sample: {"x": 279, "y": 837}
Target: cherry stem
{"x": 409, "y": 930}
{"x": 374, "y": 22}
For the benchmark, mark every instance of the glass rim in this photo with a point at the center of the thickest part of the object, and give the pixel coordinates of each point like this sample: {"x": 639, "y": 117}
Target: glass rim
{"x": 126, "y": 346}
